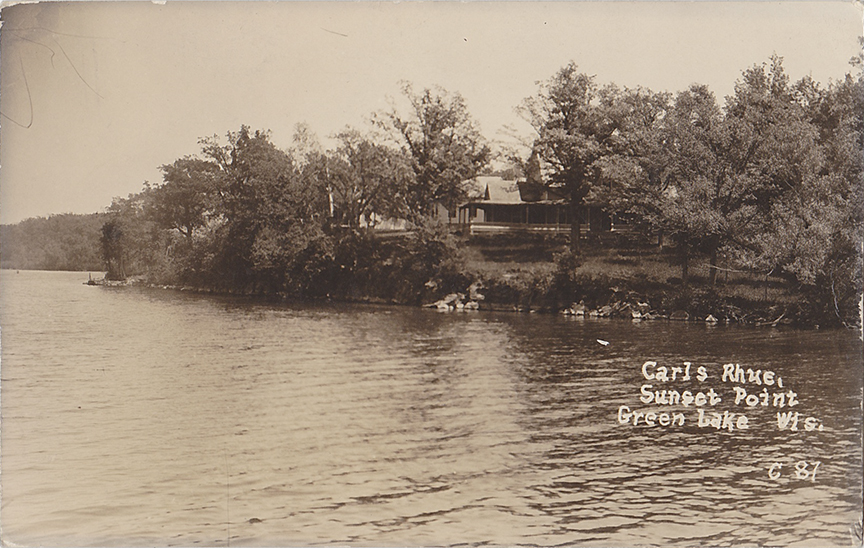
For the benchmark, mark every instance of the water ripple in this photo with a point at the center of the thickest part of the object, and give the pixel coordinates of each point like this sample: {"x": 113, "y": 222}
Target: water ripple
{"x": 137, "y": 417}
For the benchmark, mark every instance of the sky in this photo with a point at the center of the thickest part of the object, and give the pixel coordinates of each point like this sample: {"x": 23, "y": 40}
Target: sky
{"x": 94, "y": 97}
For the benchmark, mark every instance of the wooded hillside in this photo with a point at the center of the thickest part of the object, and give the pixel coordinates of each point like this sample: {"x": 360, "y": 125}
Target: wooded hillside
{"x": 59, "y": 242}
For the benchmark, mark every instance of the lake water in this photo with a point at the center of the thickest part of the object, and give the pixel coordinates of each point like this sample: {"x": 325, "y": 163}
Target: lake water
{"x": 142, "y": 417}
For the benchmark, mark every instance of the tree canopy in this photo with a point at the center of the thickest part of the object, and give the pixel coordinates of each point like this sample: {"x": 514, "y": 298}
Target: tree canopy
{"x": 367, "y": 181}
{"x": 570, "y": 115}
{"x": 444, "y": 144}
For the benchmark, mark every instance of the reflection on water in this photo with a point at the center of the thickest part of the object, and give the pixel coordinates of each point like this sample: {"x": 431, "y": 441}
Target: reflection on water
{"x": 145, "y": 417}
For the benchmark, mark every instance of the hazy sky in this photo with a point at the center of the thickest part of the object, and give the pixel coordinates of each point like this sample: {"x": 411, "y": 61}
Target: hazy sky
{"x": 96, "y": 96}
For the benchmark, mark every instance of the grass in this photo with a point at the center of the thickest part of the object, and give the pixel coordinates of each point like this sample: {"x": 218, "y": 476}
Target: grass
{"x": 526, "y": 260}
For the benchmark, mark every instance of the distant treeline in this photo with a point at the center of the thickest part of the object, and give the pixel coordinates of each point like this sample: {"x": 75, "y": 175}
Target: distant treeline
{"x": 59, "y": 242}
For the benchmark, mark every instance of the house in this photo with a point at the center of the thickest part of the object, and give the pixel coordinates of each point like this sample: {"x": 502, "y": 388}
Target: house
{"x": 499, "y": 205}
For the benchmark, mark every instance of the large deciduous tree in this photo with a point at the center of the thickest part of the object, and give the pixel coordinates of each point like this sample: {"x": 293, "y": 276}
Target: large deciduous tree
{"x": 268, "y": 212}
{"x": 444, "y": 144}
{"x": 131, "y": 242}
{"x": 186, "y": 198}
{"x": 638, "y": 176}
{"x": 367, "y": 181}
{"x": 773, "y": 159}
{"x": 573, "y": 131}
{"x": 710, "y": 177}
{"x": 815, "y": 230}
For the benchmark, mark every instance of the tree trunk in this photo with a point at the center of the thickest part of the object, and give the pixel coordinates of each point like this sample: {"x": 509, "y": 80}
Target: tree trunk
{"x": 712, "y": 272}
{"x": 575, "y": 223}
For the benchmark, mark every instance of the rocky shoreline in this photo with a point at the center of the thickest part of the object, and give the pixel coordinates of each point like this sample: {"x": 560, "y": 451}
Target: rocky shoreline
{"x": 633, "y": 308}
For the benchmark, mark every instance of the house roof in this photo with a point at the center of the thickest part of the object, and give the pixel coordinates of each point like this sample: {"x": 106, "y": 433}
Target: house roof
{"x": 495, "y": 190}
{"x": 490, "y": 189}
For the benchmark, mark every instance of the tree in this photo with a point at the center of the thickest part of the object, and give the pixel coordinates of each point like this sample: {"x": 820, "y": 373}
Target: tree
{"x": 367, "y": 180}
{"x": 305, "y": 146}
{"x": 113, "y": 250}
{"x": 258, "y": 182}
{"x": 131, "y": 242}
{"x": 186, "y": 198}
{"x": 710, "y": 177}
{"x": 637, "y": 177}
{"x": 710, "y": 197}
{"x": 262, "y": 198}
{"x": 815, "y": 229}
{"x": 763, "y": 148}
{"x": 570, "y": 117}
{"x": 444, "y": 144}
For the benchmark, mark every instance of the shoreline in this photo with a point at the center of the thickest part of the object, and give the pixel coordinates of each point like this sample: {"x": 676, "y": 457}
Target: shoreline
{"x": 617, "y": 309}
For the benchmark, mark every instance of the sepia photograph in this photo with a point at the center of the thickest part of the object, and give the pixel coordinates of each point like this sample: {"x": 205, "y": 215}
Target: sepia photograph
{"x": 431, "y": 273}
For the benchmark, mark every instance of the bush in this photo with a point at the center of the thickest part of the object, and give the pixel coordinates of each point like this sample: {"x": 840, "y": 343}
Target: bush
{"x": 566, "y": 279}
{"x": 427, "y": 265}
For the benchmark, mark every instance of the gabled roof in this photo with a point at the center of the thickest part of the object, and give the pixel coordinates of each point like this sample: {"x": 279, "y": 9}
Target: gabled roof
{"x": 494, "y": 190}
